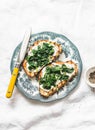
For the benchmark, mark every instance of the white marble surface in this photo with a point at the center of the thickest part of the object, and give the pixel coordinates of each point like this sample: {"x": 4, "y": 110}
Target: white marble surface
{"x": 76, "y": 20}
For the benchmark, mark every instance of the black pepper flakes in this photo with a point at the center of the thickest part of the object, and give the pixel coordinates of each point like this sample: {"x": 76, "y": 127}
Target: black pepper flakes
{"x": 92, "y": 77}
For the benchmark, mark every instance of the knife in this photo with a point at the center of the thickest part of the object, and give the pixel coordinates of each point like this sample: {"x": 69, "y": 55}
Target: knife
{"x": 19, "y": 61}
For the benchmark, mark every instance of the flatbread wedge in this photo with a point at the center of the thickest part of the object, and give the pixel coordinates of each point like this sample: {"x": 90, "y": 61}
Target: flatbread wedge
{"x": 41, "y": 53}
{"x": 55, "y": 76}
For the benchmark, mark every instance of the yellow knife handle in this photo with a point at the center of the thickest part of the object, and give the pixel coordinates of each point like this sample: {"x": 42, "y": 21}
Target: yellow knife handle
{"x": 12, "y": 82}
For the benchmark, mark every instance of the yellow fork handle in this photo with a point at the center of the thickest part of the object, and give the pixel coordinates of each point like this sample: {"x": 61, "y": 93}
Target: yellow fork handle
{"x": 12, "y": 82}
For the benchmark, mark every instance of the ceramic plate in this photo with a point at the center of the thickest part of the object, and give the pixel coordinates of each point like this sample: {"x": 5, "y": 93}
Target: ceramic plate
{"x": 30, "y": 87}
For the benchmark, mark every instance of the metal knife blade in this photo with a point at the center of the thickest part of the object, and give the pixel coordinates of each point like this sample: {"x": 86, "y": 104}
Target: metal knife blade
{"x": 24, "y": 46}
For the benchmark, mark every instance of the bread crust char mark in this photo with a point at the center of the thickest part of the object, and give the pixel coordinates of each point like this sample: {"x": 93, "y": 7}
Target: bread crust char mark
{"x": 53, "y": 90}
{"x": 24, "y": 64}
{"x": 29, "y": 73}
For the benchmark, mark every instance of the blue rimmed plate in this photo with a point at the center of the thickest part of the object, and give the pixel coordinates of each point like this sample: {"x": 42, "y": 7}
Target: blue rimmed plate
{"x": 30, "y": 87}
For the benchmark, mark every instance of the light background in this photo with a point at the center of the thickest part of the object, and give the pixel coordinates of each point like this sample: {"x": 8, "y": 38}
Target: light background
{"x": 76, "y": 20}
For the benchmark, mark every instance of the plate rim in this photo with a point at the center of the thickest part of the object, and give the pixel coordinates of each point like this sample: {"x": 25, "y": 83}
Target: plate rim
{"x": 81, "y": 67}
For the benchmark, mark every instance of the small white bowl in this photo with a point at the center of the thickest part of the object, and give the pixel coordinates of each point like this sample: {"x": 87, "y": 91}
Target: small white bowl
{"x": 90, "y": 70}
